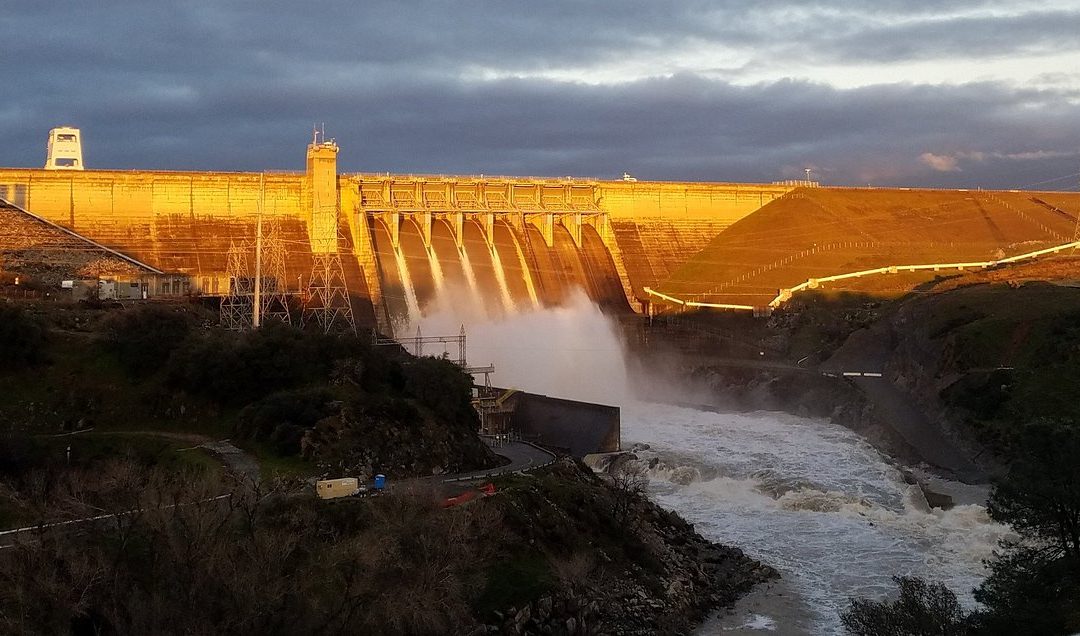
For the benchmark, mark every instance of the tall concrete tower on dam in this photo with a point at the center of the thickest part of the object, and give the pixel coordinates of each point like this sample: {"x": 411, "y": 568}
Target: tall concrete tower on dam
{"x": 64, "y": 151}
{"x": 327, "y": 303}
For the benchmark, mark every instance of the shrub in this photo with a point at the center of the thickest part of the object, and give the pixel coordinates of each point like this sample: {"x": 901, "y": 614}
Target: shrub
{"x": 236, "y": 369}
{"x": 283, "y": 418}
{"x": 144, "y": 337}
{"x": 923, "y": 608}
{"x": 22, "y": 338}
{"x": 441, "y": 386}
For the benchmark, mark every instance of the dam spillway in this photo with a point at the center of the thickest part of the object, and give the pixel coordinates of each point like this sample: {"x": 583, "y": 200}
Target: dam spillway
{"x": 502, "y": 244}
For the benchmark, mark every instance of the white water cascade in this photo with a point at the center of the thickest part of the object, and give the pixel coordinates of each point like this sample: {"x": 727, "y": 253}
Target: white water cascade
{"x": 470, "y": 280}
{"x": 436, "y": 272}
{"x": 806, "y": 496}
{"x": 411, "y": 302}
{"x": 527, "y": 274}
{"x": 500, "y": 278}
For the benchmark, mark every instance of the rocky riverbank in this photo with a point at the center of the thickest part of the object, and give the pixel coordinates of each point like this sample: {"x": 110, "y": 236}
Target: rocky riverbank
{"x": 623, "y": 564}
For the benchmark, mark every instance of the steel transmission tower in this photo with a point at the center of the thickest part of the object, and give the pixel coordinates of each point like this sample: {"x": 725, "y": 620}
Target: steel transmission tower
{"x": 273, "y": 301}
{"x": 237, "y": 306}
{"x": 328, "y": 303}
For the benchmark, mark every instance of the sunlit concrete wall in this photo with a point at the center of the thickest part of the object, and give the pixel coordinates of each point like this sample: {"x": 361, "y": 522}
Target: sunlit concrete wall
{"x": 720, "y": 203}
{"x": 659, "y": 225}
{"x": 175, "y": 221}
{"x": 186, "y": 221}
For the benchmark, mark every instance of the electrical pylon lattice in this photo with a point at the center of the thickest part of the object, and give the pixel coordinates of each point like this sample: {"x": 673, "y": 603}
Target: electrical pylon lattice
{"x": 328, "y": 304}
{"x": 237, "y": 304}
{"x": 274, "y": 300}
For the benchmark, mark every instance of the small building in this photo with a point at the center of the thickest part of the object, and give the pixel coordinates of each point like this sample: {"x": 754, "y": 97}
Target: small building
{"x": 65, "y": 149}
{"x": 144, "y": 286}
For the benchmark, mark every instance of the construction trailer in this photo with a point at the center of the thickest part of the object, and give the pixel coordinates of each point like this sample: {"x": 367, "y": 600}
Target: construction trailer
{"x": 335, "y": 488}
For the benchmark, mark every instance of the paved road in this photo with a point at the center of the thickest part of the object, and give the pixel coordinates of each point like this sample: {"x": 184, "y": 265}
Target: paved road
{"x": 236, "y": 459}
{"x": 522, "y": 456}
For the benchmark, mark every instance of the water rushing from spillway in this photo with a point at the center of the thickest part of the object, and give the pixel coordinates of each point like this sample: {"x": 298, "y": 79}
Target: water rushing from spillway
{"x": 506, "y": 268}
{"x": 806, "y": 496}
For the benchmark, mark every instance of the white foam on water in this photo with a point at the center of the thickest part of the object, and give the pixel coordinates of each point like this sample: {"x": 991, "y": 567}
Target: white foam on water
{"x": 806, "y": 496}
{"x": 759, "y": 622}
{"x": 813, "y": 500}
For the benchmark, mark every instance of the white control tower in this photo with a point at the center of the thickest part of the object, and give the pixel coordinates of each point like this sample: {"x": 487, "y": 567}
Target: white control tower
{"x": 65, "y": 149}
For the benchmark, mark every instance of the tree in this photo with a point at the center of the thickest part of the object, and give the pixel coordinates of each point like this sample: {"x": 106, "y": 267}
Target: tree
{"x": 628, "y": 484}
{"x": 144, "y": 336}
{"x": 1034, "y": 584}
{"x": 923, "y": 609}
{"x": 1040, "y": 498}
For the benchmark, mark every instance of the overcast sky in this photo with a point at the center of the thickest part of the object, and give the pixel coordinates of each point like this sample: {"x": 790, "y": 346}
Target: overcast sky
{"x": 890, "y": 92}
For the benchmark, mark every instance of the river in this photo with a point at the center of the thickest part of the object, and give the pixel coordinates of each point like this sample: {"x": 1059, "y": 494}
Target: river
{"x": 808, "y": 497}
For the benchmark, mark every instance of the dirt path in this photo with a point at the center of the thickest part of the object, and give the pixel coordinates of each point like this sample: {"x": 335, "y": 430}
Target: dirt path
{"x": 234, "y": 458}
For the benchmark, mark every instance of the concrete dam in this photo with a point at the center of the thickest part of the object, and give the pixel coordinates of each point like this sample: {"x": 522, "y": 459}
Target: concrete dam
{"x": 411, "y": 244}
{"x": 501, "y": 243}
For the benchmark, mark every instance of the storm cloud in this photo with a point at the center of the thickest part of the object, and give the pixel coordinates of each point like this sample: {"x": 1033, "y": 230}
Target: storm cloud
{"x": 690, "y": 90}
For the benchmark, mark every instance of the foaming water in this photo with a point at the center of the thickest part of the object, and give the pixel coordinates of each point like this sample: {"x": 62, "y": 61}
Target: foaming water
{"x": 436, "y": 271}
{"x": 810, "y": 498}
{"x": 806, "y": 496}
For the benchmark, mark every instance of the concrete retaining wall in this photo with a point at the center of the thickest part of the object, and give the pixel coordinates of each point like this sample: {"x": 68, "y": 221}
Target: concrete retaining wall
{"x": 578, "y": 428}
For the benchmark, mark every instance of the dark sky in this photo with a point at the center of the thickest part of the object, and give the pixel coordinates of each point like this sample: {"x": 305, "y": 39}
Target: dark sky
{"x": 886, "y": 93}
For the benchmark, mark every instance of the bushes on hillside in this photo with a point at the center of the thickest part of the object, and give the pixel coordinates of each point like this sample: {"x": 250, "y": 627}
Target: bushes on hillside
{"x": 144, "y": 337}
{"x": 237, "y": 369}
{"x": 441, "y": 386}
{"x": 268, "y": 560}
{"x": 22, "y": 338}
{"x": 281, "y": 419}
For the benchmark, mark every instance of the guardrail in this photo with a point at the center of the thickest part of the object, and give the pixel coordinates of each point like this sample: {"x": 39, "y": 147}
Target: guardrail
{"x": 813, "y": 283}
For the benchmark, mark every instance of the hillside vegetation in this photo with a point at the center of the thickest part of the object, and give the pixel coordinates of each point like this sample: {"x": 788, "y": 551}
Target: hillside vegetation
{"x": 322, "y": 402}
{"x": 175, "y": 543}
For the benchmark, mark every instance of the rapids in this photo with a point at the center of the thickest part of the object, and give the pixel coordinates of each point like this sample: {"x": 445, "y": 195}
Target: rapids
{"x": 809, "y": 497}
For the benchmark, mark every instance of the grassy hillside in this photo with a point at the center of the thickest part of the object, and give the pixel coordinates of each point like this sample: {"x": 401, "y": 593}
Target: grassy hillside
{"x": 999, "y": 356}
{"x": 814, "y": 232}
